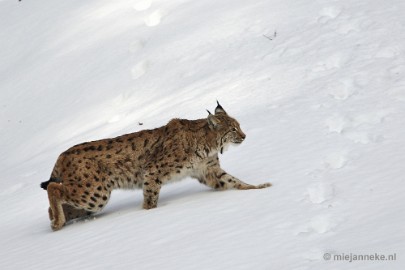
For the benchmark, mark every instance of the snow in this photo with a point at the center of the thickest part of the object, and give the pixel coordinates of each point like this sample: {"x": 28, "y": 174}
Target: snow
{"x": 318, "y": 87}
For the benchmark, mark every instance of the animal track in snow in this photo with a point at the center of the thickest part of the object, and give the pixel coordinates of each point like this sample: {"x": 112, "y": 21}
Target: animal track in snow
{"x": 341, "y": 90}
{"x": 139, "y": 70}
{"x": 348, "y": 27}
{"x": 135, "y": 46}
{"x": 335, "y": 123}
{"x": 318, "y": 224}
{"x": 356, "y": 129}
{"x": 320, "y": 192}
{"x": 313, "y": 254}
{"x": 334, "y": 61}
{"x": 329, "y": 13}
{"x": 362, "y": 137}
{"x": 371, "y": 118}
{"x": 389, "y": 52}
{"x": 142, "y": 5}
{"x": 154, "y": 18}
{"x": 118, "y": 108}
{"x": 336, "y": 160}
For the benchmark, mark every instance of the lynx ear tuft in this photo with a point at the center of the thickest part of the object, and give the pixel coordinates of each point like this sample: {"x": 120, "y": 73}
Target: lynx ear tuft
{"x": 213, "y": 121}
{"x": 219, "y": 109}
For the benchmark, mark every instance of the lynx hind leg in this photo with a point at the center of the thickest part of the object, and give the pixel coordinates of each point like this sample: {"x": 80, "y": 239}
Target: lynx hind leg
{"x": 55, "y": 196}
{"x": 70, "y": 212}
{"x": 73, "y": 213}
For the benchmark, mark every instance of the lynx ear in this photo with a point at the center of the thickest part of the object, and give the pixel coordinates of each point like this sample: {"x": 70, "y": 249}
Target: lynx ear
{"x": 213, "y": 121}
{"x": 219, "y": 109}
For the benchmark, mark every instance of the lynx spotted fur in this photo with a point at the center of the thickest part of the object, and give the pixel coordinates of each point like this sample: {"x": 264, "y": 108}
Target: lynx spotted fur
{"x": 85, "y": 175}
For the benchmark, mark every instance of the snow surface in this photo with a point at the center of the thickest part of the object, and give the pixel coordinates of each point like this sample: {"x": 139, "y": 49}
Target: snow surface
{"x": 318, "y": 87}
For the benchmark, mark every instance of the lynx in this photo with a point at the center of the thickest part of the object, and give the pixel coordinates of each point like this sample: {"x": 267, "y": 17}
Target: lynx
{"x": 85, "y": 175}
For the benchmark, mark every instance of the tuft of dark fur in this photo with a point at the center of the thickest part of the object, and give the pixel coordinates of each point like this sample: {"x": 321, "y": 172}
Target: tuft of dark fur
{"x": 45, "y": 184}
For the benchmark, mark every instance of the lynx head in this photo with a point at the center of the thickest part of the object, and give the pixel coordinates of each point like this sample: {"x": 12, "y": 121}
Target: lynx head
{"x": 227, "y": 128}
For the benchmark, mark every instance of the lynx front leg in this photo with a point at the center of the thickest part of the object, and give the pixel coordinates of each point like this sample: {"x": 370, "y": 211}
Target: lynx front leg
{"x": 151, "y": 189}
{"x": 219, "y": 179}
{"x": 244, "y": 186}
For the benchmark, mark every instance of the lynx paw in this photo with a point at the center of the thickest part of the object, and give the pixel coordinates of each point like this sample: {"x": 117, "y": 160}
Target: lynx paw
{"x": 265, "y": 185}
{"x": 56, "y": 226}
{"x": 148, "y": 206}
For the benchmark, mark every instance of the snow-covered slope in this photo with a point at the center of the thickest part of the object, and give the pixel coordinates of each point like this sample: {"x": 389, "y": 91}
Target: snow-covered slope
{"x": 318, "y": 87}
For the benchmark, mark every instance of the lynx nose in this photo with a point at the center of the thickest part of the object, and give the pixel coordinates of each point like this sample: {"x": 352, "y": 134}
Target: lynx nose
{"x": 243, "y": 136}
